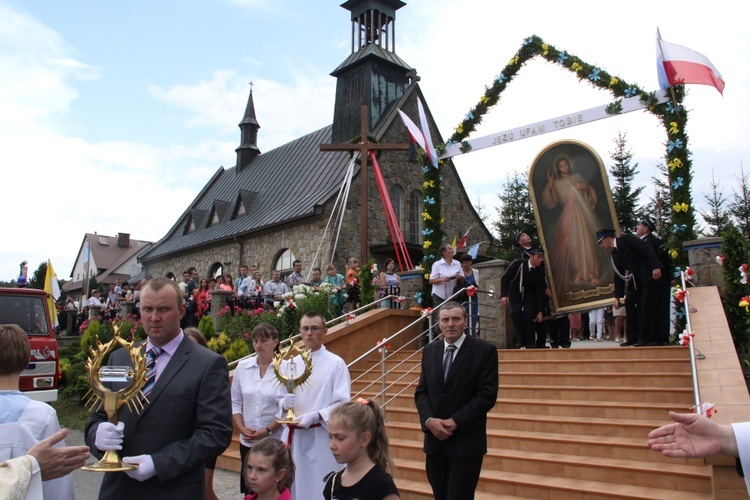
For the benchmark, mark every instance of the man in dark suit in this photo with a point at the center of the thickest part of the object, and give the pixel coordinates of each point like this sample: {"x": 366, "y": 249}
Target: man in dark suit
{"x": 457, "y": 387}
{"x": 645, "y": 231}
{"x": 636, "y": 266}
{"x": 187, "y": 419}
{"x": 523, "y": 286}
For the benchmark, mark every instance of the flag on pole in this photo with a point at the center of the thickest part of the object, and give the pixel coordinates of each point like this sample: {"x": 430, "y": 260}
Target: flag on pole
{"x": 473, "y": 251}
{"x": 420, "y": 136}
{"x": 462, "y": 242}
{"x": 52, "y": 287}
{"x": 676, "y": 64}
{"x": 454, "y": 242}
{"x": 431, "y": 153}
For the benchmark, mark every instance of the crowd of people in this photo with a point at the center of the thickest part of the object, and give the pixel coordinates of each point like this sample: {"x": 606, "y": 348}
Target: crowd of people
{"x": 640, "y": 315}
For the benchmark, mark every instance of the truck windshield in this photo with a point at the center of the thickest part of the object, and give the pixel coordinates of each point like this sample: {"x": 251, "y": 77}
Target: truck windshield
{"x": 26, "y": 312}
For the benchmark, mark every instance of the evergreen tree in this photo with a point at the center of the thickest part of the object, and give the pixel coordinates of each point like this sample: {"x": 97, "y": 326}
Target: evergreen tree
{"x": 515, "y": 213}
{"x": 739, "y": 207}
{"x": 716, "y": 217}
{"x": 658, "y": 207}
{"x": 37, "y": 279}
{"x": 624, "y": 195}
{"x": 734, "y": 248}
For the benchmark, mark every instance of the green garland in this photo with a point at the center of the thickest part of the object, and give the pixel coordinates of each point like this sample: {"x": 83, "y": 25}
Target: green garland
{"x": 672, "y": 115}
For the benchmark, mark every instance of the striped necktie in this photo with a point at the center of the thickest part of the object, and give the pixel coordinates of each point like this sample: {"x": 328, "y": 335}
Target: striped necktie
{"x": 448, "y": 360}
{"x": 151, "y": 356}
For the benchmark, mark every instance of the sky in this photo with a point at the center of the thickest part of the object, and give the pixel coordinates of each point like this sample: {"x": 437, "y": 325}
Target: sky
{"x": 113, "y": 115}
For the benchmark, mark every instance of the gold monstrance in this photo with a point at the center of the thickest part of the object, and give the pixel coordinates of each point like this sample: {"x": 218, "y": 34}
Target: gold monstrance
{"x": 99, "y": 395}
{"x": 290, "y": 380}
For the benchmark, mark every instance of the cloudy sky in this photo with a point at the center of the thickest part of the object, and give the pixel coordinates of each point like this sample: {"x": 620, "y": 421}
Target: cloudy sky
{"x": 114, "y": 115}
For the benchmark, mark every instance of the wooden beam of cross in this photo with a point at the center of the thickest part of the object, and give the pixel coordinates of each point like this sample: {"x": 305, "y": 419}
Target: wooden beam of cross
{"x": 364, "y": 146}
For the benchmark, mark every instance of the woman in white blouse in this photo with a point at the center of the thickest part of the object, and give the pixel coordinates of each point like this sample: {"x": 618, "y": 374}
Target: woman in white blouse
{"x": 256, "y": 393}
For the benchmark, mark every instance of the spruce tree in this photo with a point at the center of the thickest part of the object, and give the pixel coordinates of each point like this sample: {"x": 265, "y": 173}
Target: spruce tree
{"x": 625, "y": 197}
{"x": 515, "y": 213}
{"x": 739, "y": 207}
{"x": 658, "y": 208}
{"x": 716, "y": 217}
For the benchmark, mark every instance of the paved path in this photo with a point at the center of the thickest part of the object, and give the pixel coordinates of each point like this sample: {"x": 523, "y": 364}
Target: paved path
{"x": 86, "y": 484}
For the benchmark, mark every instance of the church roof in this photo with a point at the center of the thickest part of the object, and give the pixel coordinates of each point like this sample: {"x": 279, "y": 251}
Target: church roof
{"x": 371, "y": 51}
{"x": 285, "y": 184}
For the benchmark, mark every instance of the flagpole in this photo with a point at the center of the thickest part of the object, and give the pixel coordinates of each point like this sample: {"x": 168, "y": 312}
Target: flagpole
{"x": 671, "y": 89}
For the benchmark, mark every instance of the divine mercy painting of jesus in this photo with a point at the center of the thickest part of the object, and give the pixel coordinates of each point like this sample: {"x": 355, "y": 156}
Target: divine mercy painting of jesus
{"x": 572, "y": 201}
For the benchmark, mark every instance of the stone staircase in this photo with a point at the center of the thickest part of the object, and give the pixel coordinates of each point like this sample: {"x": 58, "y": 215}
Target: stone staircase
{"x": 568, "y": 424}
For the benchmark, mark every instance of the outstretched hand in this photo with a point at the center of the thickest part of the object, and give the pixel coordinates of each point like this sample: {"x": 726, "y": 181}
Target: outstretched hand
{"x": 57, "y": 462}
{"x": 692, "y": 436}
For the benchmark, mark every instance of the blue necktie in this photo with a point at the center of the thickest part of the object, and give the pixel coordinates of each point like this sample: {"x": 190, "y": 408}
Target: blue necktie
{"x": 151, "y": 356}
{"x": 448, "y": 360}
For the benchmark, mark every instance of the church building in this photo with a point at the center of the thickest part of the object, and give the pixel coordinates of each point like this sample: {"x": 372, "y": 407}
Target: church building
{"x": 272, "y": 208}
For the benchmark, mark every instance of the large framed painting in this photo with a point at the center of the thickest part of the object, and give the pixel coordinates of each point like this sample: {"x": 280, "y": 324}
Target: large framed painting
{"x": 572, "y": 201}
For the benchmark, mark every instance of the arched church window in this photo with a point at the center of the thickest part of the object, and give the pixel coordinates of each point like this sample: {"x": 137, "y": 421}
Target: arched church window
{"x": 414, "y": 231}
{"x": 397, "y": 202}
{"x": 215, "y": 270}
{"x": 283, "y": 262}
{"x": 170, "y": 275}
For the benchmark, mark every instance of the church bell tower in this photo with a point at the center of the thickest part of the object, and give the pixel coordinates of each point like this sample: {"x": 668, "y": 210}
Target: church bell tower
{"x": 372, "y": 74}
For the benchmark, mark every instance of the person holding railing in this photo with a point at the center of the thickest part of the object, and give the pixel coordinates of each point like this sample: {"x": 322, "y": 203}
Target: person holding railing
{"x": 390, "y": 283}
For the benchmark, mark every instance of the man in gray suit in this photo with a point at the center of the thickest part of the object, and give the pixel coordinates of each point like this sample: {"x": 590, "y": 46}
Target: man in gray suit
{"x": 187, "y": 420}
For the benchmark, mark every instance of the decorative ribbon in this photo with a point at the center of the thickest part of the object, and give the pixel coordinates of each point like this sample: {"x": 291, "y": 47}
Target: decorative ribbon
{"x": 721, "y": 260}
{"x": 426, "y": 312}
{"x": 707, "y": 409}
{"x": 594, "y": 76}
{"x": 562, "y": 57}
{"x": 745, "y": 302}
{"x": 677, "y": 143}
{"x": 630, "y": 92}
{"x": 429, "y": 200}
{"x": 677, "y": 182}
{"x": 613, "y": 81}
{"x": 576, "y": 67}
{"x": 679, "y": 227}
{"x": 471, "y": 291}
{"x": 680, "y": 207}
{"x": 685, "y": 337}
{"x": 743, "y": 274}
{"x": 383, "y": 345}
{"x": 673, "y": 164}
{"x": 673, "y": 128}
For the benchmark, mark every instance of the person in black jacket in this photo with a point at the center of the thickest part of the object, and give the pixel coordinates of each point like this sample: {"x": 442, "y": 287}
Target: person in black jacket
{"x": 645, "y": 230}
{"x": 523, "y": 286}
{"x": 637, "y": 271}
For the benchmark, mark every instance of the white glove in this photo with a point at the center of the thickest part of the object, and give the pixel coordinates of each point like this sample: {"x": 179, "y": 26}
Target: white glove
{"x": 109, "y": 436}
{"x": 145, "y": 470}
{"x": 288, "y": 401}
{"x": 308, "y": 419}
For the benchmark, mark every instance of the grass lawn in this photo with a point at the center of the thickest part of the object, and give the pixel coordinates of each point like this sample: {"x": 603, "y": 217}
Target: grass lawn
{"x": 71, "y": 413}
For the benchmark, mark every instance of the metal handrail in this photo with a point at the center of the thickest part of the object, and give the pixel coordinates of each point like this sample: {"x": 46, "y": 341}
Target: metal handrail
{"x": 332, "y": 322}
{"x": 693, "y": 365}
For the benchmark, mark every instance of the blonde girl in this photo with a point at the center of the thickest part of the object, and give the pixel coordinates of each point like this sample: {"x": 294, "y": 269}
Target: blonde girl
{"x": 269, "y": 470}
{"x": 358, "y": 439}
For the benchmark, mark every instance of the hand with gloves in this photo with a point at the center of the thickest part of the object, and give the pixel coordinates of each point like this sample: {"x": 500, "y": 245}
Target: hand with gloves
{"x": 145, "y": 470}
{"x": 308, "y": 419}
{"x": 109, "y": 436}
{"x": 288, "y": 401}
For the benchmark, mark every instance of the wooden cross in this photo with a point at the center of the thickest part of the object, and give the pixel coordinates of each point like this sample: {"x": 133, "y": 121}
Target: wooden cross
{"x": 364, "y": 146}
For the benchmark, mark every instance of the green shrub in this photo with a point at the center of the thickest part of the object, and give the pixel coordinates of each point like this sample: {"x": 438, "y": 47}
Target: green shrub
{"x": 238, "y": 349}
{"x": 220, "y": 343}
{"x": 206, "y": 326}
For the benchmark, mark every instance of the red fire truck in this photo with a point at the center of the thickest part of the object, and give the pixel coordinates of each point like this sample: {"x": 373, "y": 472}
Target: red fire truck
{"x": 27, "y": 308}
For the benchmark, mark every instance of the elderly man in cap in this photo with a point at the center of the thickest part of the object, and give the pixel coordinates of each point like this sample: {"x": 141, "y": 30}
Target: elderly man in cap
{"x": 523, "y": 286}
{"x": 637, "y": 271}
{"x": 523, "y": 240}
{"x": 645, "y": 231}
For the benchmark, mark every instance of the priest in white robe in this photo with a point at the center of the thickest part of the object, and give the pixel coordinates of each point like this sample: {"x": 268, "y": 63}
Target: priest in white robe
{"x": 328, "y": 386}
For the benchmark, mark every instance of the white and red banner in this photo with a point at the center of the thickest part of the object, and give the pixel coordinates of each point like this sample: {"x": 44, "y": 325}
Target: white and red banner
{"x": 678, "y": 65}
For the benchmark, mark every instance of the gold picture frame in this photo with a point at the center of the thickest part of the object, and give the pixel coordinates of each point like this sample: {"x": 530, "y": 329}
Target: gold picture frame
{"x": 570, "y": 205}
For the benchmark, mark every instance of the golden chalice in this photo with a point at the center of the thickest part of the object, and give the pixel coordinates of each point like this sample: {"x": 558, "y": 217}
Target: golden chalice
{"x": 99, "y": 395}
{"x": 285, "y": 369}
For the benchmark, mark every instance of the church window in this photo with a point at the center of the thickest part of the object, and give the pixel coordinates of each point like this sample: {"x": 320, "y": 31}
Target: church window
{"x": 170, "y": 275}
{"x": 214, "y": 217}
{"x": 415, "y": 218}
{"x": 397, "y": 202}
{"x": 284, "y": 262}
{"x": 216, "y": 269}
{"x": 240, "y": 209}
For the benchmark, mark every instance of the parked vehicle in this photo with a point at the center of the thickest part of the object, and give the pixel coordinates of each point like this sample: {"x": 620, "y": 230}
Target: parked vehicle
{"x": 27, "y": 308}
